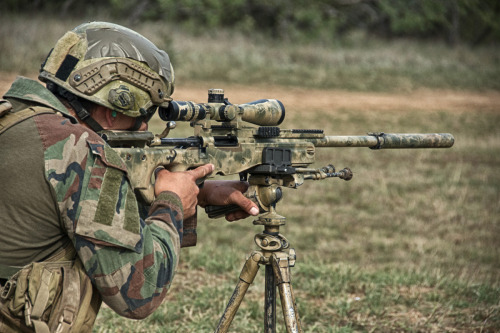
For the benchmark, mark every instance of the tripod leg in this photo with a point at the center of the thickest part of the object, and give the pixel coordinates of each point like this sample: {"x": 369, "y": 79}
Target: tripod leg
{"x": 270, "y": 301}
{"x": 295, "y": 309}
{"x": 281, "y": 267}
{"x": 247, "y": 276}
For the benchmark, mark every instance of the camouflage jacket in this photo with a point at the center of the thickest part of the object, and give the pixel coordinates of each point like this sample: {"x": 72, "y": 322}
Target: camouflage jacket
{"x": 61, "y": 180}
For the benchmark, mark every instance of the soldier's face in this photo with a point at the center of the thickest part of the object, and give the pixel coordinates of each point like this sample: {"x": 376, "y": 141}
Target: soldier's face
{"x": 123, "y": 122}
{"x": 110, "y": 120}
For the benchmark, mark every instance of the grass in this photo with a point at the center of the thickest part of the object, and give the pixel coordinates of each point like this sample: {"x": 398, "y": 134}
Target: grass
{"x": 398, "y": 65}
{"x": 411, "y": 244}
{"x": 355, "y": 62}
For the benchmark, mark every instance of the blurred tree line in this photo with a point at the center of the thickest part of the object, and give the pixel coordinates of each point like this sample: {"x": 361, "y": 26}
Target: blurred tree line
{"x": 455, "y": 21}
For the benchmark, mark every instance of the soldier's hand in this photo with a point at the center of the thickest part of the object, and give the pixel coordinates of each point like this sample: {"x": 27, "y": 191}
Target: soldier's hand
{"x": 227, "y": 192}
{"x": 183, "y": 184}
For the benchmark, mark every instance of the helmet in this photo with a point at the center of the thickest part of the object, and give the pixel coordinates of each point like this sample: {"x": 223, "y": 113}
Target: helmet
{"x": 112, "y": 66}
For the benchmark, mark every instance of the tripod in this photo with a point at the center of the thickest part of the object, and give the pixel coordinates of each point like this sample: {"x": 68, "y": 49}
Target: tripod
{"x": 275, "y": 252}
{"x": 277, "y": 256}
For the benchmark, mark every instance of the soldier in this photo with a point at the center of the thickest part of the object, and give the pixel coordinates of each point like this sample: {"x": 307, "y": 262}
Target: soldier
{"x": 72, "y": 231}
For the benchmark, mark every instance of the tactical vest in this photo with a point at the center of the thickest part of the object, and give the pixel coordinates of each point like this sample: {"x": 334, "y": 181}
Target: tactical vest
{"x": 55, "y": 295}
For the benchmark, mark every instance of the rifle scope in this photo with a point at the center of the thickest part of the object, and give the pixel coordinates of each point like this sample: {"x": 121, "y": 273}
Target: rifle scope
{"x": 264, "y": 112}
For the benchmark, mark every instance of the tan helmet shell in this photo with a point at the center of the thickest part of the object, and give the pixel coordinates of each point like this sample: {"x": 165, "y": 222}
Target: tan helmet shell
{"x": 112, "y": 66}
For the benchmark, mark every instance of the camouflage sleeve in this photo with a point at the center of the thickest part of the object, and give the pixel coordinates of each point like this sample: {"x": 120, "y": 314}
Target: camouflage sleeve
{"x": 130, "y": 260}
{"x": 135, "y": 283}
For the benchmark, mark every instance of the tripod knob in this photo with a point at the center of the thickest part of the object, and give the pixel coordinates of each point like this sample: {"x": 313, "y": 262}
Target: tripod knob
{"x": 292, "y": 256}
{"x": 269, "y": 242}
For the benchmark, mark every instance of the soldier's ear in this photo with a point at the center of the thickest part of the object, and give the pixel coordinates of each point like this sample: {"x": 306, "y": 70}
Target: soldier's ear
{"x": 109, "y": 115}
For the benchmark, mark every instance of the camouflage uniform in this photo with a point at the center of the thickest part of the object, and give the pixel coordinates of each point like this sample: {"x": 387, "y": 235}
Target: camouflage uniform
{"x": 61, "y": 181}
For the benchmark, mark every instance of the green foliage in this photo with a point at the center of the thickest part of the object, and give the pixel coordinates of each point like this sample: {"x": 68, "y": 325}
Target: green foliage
{"x": 472, "y": 21}
{"x": 415, "y": 16}
{"x": 279, "y": 19}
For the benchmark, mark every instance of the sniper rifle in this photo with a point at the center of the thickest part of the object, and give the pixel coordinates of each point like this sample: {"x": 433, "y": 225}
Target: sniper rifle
{"x": 245, "y": 139}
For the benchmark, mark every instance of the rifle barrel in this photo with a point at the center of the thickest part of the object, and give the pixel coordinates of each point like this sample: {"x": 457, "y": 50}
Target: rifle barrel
{"x": 388, "y": 141}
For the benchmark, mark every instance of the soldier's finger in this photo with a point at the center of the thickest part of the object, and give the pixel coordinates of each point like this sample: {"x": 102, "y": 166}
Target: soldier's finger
{"x": 238, "y": 215}
{"x": 246, "y": 204}
{"x": 159, "y": 169}
{"x": 202, "y": 171}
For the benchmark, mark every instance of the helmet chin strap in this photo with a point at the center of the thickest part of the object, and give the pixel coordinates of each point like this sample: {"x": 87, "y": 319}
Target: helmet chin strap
{"x": 80, "y": 111}
{"x": 137, "y": 124}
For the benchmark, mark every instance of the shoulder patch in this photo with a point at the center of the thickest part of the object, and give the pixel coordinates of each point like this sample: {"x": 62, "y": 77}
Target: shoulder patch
{"x": 109, "y": 211}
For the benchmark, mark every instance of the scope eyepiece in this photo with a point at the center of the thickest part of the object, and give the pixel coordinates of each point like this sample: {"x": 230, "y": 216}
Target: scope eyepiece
{"x": 183, "y": 111}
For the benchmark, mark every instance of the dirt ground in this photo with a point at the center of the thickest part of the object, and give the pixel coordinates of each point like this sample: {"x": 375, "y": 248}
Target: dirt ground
{"x": 420, "y": 100}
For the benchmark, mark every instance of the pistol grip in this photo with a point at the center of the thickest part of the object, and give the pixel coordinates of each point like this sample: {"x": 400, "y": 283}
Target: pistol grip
{"x": 214, "y": 212}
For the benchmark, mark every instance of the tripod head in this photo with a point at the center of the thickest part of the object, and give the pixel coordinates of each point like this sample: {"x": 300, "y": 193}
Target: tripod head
{"x": 266, "y": 183}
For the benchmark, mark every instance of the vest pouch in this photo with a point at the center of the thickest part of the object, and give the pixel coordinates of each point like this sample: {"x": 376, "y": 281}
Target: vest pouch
{"x": 51, "y": 297}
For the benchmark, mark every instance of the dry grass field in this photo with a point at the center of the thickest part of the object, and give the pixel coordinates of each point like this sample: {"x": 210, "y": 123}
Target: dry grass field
{"x": 410, "y": 244}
